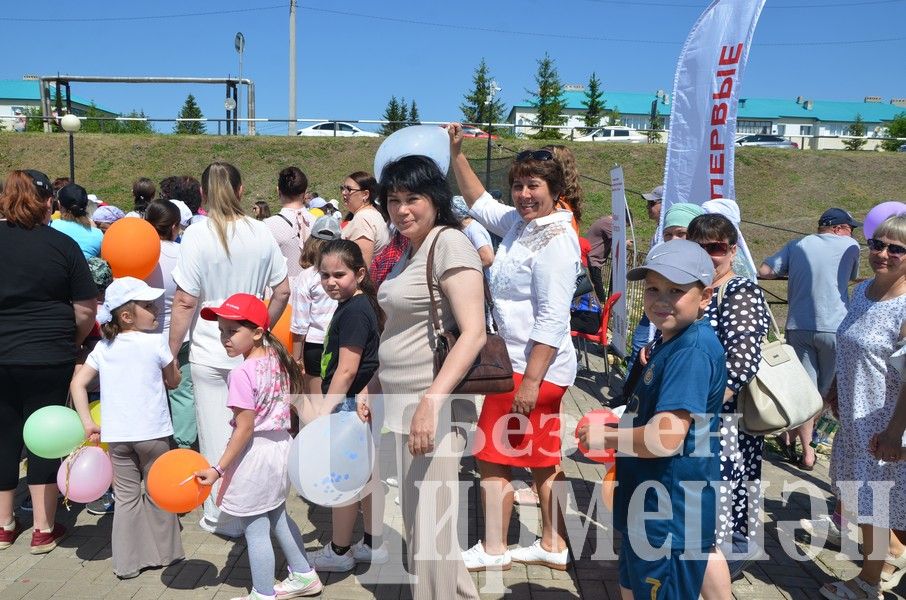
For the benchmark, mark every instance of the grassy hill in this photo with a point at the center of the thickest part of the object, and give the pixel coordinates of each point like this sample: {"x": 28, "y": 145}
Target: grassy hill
{"x": 780, "y": 188}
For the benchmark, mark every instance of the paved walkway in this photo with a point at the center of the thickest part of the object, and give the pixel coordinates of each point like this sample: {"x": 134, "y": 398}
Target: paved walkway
{"x": 218, "y": 568}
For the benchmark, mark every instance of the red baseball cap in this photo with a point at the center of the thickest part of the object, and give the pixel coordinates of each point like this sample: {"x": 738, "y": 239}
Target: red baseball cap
{"x": 239, "y": 307}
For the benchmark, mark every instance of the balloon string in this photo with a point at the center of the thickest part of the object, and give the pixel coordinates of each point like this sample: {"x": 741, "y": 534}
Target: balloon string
{"x": 68, "y": 462}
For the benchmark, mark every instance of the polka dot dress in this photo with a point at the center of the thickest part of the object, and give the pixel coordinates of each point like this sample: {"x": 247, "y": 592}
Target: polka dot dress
{"x": 741, "y": 323}
{"x": 867, "y": 391}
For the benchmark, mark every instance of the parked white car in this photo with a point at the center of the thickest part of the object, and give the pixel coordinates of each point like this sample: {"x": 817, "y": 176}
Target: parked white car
{"x": 334, "y": 129}
{"x": 614, "y": 133}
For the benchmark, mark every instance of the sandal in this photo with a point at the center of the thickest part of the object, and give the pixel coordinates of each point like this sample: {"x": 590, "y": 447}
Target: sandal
{"x": 854, "y": 589}
{"x": 526, "y": 497}
{"x": 890, "y": 579}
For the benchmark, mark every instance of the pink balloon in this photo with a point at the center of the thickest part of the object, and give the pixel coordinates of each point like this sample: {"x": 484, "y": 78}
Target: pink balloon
{"x": 85, "y": 476}
{"x": 881, "y": 213}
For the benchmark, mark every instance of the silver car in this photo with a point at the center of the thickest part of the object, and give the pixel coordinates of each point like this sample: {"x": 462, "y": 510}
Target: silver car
{"x": 767, "y": 141}
{"x": 334, "y": 128}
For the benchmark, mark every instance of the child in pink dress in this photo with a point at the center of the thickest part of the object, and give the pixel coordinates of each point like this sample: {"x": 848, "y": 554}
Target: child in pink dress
{"x": 254, "y": 464}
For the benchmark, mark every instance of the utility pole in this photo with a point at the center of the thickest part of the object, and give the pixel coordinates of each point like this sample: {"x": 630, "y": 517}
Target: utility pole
{"x": 292, "y": 68}
{"x": 240, "y": 49}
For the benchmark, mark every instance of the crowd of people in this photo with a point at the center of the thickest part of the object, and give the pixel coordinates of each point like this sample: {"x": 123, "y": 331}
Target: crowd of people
{"x": 186, "y": 359}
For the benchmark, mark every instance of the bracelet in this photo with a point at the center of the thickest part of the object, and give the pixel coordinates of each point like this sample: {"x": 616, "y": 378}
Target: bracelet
{"x": 218, "y": 469}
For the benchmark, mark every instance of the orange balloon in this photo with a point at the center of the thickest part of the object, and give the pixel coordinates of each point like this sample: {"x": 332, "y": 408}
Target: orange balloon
{"x": 132, "y": 247}
{"x": 171, "y": 483}
{"x": 608, "y": 486}
{"x": 280, "y": 329}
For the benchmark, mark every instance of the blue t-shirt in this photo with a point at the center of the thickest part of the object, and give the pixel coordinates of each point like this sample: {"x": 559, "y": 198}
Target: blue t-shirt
{"x": 820, "y": 267}
{"x": 686, "y": 373}
{"x": 88, "y": 238}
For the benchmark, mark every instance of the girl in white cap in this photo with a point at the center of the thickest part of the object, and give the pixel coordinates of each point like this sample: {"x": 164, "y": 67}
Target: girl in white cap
{"x": 135, "y": 365}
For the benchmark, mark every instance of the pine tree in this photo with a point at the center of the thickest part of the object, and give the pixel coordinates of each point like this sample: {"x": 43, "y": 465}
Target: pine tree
{"x": 190, "y": 110}
{"x": 856, "y": 128}
{"x": 403, "y": 117}
{"x": 476, "y": 109}
{"x": 392, "y": 114}
{"x": 548, "y": 99}
{"x": 614, "y": 116}
{"x": 136, "y": 126}
{"x": 413, "y": 114}
{"x": 594, "y": 102}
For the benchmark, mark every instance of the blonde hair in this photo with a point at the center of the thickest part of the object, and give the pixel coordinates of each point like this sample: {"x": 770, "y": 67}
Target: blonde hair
{"x": 221, "y": 184}
{"x": 82, "y": 220}
{"x": 572, "y": 189}
{"x": 114, "y": 327}
{"x": 893, "y": 228}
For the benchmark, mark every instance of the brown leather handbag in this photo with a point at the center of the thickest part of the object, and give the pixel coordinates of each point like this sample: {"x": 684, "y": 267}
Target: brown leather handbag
{"x": 492, "y": 371}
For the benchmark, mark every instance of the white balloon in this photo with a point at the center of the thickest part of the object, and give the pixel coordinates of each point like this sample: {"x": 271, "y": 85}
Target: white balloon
{"x": 425, "y": 140}
{"x": 330, "y": 461}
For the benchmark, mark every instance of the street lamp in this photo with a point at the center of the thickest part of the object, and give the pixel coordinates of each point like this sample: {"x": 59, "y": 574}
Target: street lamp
{"x": 493, "y": 88}
{"x": 239, "y": 43}
{"x": 71, "y": 124}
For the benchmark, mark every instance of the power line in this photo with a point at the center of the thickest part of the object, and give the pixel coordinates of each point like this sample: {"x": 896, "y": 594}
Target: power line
{"x": 139, "y": 18}
{"x": 767, "y": 6}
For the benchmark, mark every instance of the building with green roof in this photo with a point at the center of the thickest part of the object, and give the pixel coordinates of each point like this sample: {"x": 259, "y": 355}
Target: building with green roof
{"x": 810, "y": 123}
{"x": 24, "y": 94}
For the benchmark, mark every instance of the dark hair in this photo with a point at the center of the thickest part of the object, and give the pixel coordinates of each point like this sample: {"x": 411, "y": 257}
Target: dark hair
{"x": 572, "y": 188}
{"x": 366, "y": 183}
{"x": 112, "y": 328}
{"x": 351, "y": 255}
{"x": 182, "y": 187}
{"x": 551, "y": 171}
{"x": 289, "y": 366}
{"x": 292, "y": 182}
{"x": 143, "y": 190}
{"x": 311, "y": 251}
{"x": 264, "y": 211}
{"x": 163, "y": 215}
{"x": 59, "y": 183}
{"x": 420, "y": 175}
{"x": 712, "y": 226}
{"x": 20, "y": 202}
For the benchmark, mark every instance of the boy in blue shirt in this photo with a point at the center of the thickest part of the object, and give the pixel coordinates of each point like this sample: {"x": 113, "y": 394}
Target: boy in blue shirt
{"x": 664, "y": 504}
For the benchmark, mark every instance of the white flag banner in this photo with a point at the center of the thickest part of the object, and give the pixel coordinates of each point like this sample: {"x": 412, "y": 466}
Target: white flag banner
{"x": 700, "y": 147}
{"x": 618, "y": 315}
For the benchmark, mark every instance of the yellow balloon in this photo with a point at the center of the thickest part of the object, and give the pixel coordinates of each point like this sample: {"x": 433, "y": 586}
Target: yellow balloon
{"x": 95, "y": 409}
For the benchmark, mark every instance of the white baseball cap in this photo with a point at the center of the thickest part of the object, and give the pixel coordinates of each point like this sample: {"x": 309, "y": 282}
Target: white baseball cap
{"x": 123, "y": 290}
{"x": 185, "y": 213}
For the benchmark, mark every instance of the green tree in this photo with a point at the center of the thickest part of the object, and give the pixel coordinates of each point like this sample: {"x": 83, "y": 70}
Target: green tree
{"x": 190, "y": 110}
{"x": 92, "y": 123}
{"x": 34, "y": 122}
{"x": 394, "y": 112}
{"x": 135, "y": 126}
{"x": 654, "y": 129}
{"x": 548, "y": 99}
{"x": 614, "y": 115}
{"x": 896, "y": 129}
{"x": 856, "y": 128}
{"x": 594, "y": 102}
{"x": 413, "y": 114}
{"x": 404, "y": 113}
{"x": 475, "y": 107}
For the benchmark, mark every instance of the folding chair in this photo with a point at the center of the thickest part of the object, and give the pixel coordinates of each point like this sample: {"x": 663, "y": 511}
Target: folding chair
{"x": 601, "y": 337}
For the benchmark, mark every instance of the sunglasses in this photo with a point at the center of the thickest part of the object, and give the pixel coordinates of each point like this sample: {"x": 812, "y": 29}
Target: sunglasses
{"x": 535, "y": 155}
{"x": 715, "y": 248}
{"x": 892, "y": 249}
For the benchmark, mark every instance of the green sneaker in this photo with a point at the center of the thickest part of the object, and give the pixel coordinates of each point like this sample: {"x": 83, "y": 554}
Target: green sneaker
{"x": 253, "y": 595}
{"x": 298, "y": 585}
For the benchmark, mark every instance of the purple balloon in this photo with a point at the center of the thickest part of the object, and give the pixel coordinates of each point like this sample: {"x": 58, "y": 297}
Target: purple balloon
{"x": 881, "y": 213}
{"x": 85, "y": 475}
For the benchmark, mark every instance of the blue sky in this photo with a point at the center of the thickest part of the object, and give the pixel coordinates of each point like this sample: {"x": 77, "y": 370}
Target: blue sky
{"x": 353, "y": 55}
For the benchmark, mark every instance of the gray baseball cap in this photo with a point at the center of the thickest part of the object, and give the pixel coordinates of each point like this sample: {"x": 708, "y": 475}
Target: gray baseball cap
{"x": 655, "y": 195}
{"x": 326, "y": 228}
{"x": 680, "y": 261}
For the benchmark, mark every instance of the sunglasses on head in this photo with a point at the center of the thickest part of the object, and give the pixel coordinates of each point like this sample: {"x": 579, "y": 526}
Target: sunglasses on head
{"x": 892, "y": 249}
{"x": 715, "y": 248}
{"x": 534, "y": 155}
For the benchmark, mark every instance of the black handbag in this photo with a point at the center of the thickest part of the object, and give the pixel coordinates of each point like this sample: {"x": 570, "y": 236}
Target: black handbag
{"x": 492, "y": 371}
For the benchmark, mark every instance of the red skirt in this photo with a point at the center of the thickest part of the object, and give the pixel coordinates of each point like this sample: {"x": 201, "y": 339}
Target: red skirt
{"x": 506, "y": 438}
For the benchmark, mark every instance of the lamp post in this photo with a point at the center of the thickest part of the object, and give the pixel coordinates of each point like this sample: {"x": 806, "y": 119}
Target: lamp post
{"x": 71, "y": 124}
{"x": 240, "y": 48}
{"x": 493, "y": 88}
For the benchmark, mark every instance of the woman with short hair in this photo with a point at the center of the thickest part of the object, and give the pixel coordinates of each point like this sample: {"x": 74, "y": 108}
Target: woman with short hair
{"x": 224, "y": 254}
{"x": 48, "y": 301}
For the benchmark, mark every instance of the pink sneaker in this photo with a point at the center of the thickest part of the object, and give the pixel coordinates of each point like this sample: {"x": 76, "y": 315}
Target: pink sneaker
{"x": 298, "y": 585}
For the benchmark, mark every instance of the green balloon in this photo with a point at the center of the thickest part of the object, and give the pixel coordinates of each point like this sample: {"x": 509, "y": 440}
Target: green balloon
{"x": 53, "y": 431}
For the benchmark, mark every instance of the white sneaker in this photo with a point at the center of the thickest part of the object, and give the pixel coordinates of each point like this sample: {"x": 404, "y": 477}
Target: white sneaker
{"x": 366, "y": 554}
{"x": 823, "y": 526}
{"x": 477, "y": 559}
{"x": 392, "y": 482}
{"x": 253, "y": 595}
{"x": 536, "y": 555}
{"x": 328, "y": 561}
{"x": 233, "y": 530}
{"x": 298, "y": 585}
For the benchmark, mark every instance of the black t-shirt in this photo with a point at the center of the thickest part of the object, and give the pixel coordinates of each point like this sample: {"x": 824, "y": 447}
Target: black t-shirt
{"x": 42, "y": 272}
{"x": 353, "y": 324}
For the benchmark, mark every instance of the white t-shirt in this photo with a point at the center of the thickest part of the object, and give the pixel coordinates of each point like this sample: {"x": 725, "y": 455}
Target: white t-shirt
{"x": 312, "y": 307}
{"x": 134, "y": 404}
{"x": 477, "y": 234}
{"x": 162, "y": 277}
{"x": 205, "y": 271}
